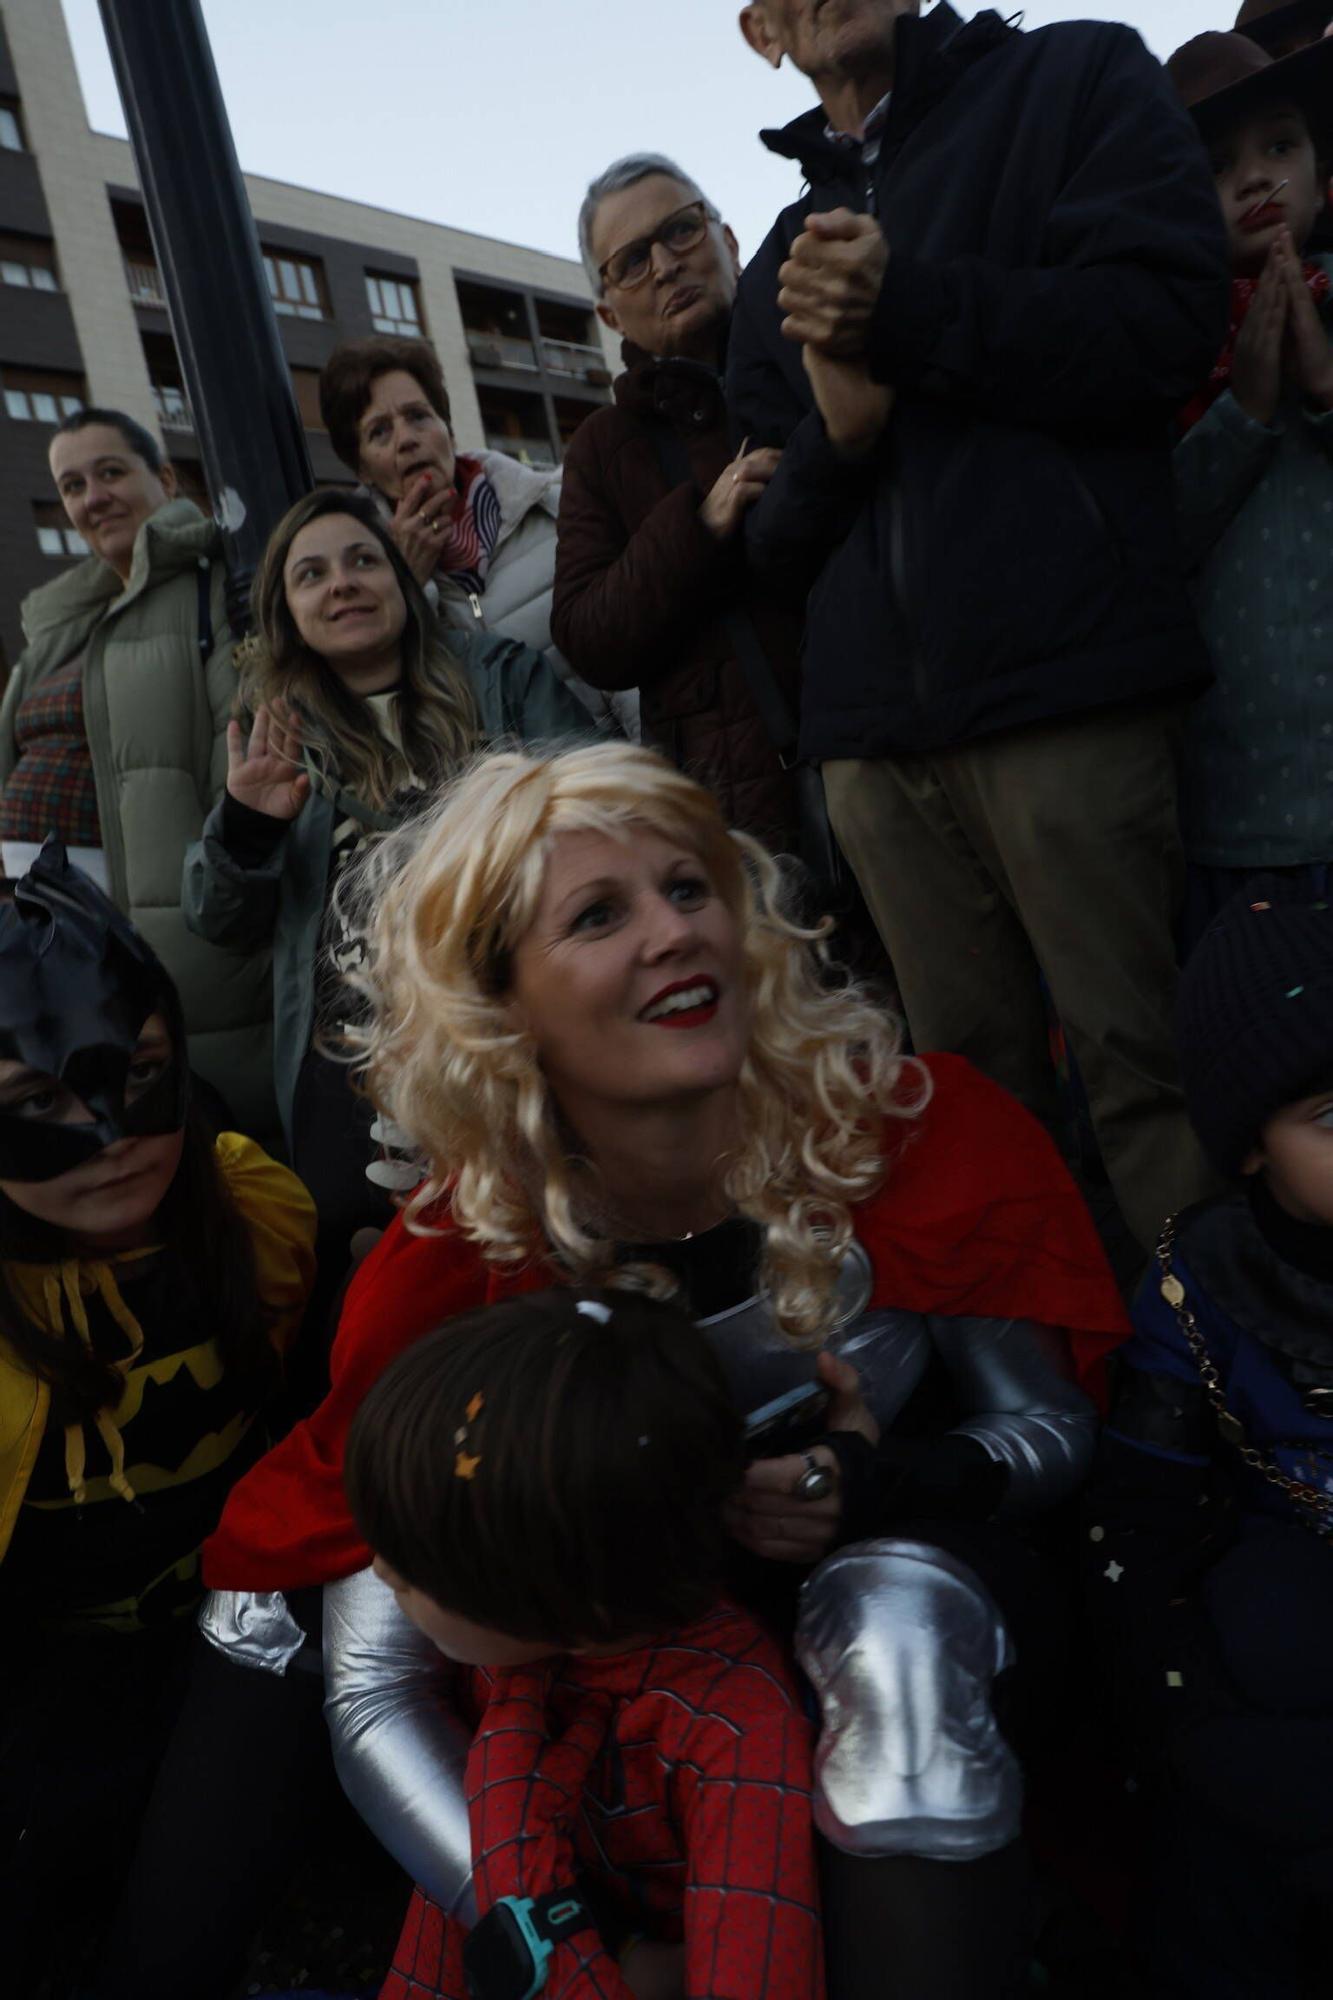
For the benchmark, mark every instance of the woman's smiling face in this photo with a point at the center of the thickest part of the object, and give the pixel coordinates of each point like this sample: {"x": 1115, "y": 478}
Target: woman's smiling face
{"x": 344, "y": 598}
{"x": 631, "y": 979}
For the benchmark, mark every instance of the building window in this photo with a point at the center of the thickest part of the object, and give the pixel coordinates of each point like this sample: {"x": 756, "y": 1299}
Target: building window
{"x": 164, "y": 376}
{"x": 190, "y": 482}
{"x": 515, "y": 422}
{"x": 33, "y": 398}
{"x": 11, "y": 132}
{"x": 294, "y": 286}
{"x": 173, "y": 411}
{"x": 394, "y": 307}
{"x": 55, "y": 537}
{"x": 145, "y": 282}
{"x": 495, "y": 321}
{"x": 305, "y": 381}
{"x": 28, "y": 261}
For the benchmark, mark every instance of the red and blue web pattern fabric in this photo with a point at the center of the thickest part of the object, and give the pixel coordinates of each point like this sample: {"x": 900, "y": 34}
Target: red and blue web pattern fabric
{"x": 676, "y": 1782}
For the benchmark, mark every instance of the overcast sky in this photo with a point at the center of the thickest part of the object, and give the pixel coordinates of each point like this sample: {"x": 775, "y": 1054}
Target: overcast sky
{"x": 494, "y": 116}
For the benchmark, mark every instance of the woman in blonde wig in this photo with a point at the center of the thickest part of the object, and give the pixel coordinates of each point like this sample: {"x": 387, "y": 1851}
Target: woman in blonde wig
{"x": 359, "y": 710}
{"x": 613, "y": 1050}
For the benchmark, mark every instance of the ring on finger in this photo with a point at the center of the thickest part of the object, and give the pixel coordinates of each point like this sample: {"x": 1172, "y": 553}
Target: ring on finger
{"x": 816, "y": 1482}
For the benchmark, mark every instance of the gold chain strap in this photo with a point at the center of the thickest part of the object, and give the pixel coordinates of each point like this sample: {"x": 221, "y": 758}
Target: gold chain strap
{"x": 1232, "y": 1431}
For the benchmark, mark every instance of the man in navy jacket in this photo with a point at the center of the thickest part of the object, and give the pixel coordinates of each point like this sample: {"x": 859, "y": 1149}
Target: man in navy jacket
{"x": 970, "y": 336}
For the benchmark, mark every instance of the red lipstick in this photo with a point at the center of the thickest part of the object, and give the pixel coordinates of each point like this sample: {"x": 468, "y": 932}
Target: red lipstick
{"x": 702, "y": 992}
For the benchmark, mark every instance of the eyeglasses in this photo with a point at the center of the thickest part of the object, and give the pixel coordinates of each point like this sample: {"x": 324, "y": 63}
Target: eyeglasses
{"x": 629, "y": 267}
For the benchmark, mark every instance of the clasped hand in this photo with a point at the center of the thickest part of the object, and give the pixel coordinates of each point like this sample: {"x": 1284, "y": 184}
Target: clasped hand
{"x": 830, "y": 283}
{"x": 1282, "y": 337}
{"x": 829, "y": 287}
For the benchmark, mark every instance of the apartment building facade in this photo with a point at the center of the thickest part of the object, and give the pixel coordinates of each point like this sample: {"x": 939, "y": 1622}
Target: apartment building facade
{"x": 83, "y": 316}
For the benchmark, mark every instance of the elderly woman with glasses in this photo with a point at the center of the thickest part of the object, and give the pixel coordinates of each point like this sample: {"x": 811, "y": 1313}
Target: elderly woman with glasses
{"x": 650, "y": 584}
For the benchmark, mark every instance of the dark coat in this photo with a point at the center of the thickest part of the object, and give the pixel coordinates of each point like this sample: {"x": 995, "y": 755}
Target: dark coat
{"x": 642, "y": 589}
{"x": 1057, "y": 287}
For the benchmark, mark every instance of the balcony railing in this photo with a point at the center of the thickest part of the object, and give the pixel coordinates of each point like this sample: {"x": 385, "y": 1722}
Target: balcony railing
{"x": 145, "y": 283}
{"x": 538, "y": 452}
{"x": 172, "y": 409}
{"x": 572, "y": 357}
{"x": 501, "y": 350}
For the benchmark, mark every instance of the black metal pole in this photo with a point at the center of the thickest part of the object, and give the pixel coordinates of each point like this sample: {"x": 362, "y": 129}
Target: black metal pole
{"x": 245, "y": 415}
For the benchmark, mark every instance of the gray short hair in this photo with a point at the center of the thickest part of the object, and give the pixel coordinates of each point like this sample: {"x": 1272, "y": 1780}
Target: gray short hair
{"x": 627, "y": 173}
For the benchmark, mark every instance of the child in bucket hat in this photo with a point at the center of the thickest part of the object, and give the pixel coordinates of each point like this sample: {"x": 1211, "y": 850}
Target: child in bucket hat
{"x": 1209, "y": 1539}
{"x": 1254, "y": 482}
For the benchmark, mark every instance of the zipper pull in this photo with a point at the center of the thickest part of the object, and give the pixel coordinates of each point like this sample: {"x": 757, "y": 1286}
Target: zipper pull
{"x": 475, "y": 602}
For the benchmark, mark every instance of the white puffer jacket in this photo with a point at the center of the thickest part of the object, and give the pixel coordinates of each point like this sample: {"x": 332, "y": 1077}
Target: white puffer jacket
{"x": 517, "y": 599}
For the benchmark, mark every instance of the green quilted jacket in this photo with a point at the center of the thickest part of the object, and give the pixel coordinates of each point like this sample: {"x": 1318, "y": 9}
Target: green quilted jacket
{"x": 158, "y": 689}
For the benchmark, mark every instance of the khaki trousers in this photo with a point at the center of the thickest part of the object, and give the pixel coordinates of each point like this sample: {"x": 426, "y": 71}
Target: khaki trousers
{"x": 1056, "y": 849}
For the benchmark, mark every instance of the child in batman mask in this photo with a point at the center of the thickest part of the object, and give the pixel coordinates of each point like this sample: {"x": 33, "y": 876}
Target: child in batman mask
{"x": 150, "y": 1278}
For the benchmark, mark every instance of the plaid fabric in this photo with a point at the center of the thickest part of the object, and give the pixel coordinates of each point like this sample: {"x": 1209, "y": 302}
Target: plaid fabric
{"x": 51, "y": 788}
{"x": 677, "y": 1781}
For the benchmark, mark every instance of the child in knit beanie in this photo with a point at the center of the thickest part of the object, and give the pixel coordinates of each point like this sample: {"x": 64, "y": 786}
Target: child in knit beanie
{"x": 1209, "y": 1535}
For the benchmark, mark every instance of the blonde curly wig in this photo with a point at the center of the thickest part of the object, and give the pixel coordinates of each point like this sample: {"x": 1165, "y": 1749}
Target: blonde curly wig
{"x": 443, "y": 905}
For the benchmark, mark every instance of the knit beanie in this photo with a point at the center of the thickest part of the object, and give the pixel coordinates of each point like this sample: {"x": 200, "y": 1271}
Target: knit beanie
{"x": 1255, "y": 1016}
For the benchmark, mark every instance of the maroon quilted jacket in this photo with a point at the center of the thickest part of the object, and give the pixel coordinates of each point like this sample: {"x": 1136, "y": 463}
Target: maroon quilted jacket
{"x": 642, "y": 590}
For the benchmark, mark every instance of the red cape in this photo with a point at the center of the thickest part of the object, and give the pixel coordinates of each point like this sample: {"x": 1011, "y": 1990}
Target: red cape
{"x": 977, "y": 1215}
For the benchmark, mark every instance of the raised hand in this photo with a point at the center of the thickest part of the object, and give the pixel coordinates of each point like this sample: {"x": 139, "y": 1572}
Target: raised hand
{"x": 830, "y": 283}
{"x": 737, "y": 487}
{"x": 1256, "y": 365}
{"x": 266, "y": 773}
{"x": 421, "y": 523}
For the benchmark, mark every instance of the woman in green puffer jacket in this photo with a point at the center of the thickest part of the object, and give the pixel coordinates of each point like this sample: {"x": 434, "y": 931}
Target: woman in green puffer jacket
{"x": 113, "y": 730}
{"x": 360, "y": 710}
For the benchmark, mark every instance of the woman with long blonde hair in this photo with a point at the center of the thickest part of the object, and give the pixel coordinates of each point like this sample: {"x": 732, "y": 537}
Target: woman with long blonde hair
{"x": 619, "y": 1059}
{"x": 358, "y": 712}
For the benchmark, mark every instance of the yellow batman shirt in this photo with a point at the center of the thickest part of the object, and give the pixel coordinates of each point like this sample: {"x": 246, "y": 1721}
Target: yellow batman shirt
{"x": 102, "y": 1521}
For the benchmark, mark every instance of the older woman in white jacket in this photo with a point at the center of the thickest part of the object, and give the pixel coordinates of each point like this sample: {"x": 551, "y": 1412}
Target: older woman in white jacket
{"x": 478, "y": 530}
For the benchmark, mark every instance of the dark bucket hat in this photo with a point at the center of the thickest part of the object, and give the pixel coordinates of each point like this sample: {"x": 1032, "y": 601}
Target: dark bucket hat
{"x": 1222, "y": 78}
{"x": 1272, "y": 23}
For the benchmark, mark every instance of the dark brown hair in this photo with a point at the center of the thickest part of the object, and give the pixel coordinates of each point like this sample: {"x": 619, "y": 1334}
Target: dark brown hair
{"x": 440, "y": 723}
{"x": 137, "y": 441}
{"x": 215, "y": 1285}
{"x": 351, "y": 372}
{"x": 552, "y": 1472}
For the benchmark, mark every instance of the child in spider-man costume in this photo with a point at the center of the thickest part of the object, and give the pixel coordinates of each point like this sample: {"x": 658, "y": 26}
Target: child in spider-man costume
{"x": 543, "y": 1484}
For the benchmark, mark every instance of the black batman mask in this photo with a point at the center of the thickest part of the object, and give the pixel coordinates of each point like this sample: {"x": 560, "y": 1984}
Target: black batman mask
{"x": 77, "y": 983}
